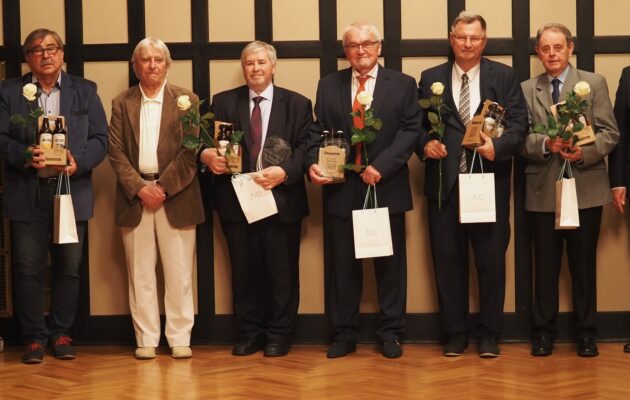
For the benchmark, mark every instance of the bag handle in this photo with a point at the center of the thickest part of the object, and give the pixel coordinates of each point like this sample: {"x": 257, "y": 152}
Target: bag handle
{"x": 472, "y": 164}
{"x": 367, "y": 196}
{"x": 60, "y": 182}
{"x": 566, "y": 166}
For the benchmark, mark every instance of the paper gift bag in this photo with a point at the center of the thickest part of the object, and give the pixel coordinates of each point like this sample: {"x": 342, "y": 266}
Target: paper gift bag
{"x": 476, "y": 196}
{"x": 372, "y": 232}
{"x": 64, "y": 225}
{"x": 256, "y": 202}
{"x": 567, "y": 212}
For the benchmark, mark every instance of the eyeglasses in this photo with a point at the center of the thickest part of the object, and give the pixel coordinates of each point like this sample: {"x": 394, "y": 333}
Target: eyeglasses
{"x": 365, "y": 45}
{"x": 473, "y": 39}
{"x": 39, "y": 51}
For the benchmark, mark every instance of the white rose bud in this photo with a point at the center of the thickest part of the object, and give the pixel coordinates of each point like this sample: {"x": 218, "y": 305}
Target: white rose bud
{"x": 364, "y": 98}
{"x": 582, "y": 89}
{"x": 183, "y": 102}
{"x": 437, "y": 88}
{"x": 29, "y": 91}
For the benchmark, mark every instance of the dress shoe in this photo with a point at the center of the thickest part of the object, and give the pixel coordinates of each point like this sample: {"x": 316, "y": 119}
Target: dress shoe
{"x": 248, "y": 345}
{"x": 586, "y": 347}
{"x": 488, "y": 347}
{"x": 542, "y": 346}
{"x": 340, "y": 348}
{"x": 277, "y": 349}
{"x": 62, "y": 348}
{"x": 626, "y": 348}
{"x": 180, "y": 352}
{"x": 456, "y": 344}
{"x": 33, "y": 354}
{"x": 145, "y": 353}
{"x": 391, "y": 349}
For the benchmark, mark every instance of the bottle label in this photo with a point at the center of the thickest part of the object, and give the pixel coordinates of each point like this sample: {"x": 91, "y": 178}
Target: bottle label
{"x": 59, "y": 141}
{"x": 45, "y": 141}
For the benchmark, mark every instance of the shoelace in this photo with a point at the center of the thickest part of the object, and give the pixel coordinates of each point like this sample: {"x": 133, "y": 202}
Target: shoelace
{"x": 63, "y": 340}
{"x": 34, "y": 346}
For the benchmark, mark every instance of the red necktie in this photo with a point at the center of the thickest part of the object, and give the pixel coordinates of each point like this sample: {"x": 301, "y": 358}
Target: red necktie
{"x": 358, "y": 120}
{"x": 255, "y": 133}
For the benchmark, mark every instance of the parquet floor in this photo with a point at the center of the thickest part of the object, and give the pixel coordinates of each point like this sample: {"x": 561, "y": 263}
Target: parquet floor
{"x": 422, "y": 373}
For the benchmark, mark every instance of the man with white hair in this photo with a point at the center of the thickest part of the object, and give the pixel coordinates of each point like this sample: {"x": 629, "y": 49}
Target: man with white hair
{"x": 395, "y": 103}
{"x": 157, "y": 200}
{"x": 264, "y": 255}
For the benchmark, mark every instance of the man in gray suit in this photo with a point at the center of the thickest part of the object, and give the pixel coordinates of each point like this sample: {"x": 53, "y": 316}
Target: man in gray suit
{"x": 554, "y": 46}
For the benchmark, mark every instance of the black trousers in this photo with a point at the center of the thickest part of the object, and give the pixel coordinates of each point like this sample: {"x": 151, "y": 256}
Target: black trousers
{"x": 346, "y": 282}
{"x": 449, "y": 250}
{"x": 264, "y": 257}
{"x": 581, "y": 245}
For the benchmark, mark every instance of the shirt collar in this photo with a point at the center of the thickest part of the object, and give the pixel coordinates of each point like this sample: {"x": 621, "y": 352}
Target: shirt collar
{"x": 267, "y": 94}
{"x": 562, "y": 77}
{"x": 472, "y": 73}
{"x": 372, "y": 73}
{"x": 58, "y": 84}
{"x": 159, "y": 98}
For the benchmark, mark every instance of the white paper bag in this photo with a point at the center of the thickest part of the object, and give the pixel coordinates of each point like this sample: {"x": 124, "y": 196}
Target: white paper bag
{"x": 567, "y": 212}
{"x": 372, "y": 232}
{"x": 476, "y": 196}
{"x": 256, "y": 202}
{"x": 64, "y": 226}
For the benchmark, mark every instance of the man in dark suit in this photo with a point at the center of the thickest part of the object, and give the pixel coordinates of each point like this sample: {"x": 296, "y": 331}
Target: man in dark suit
{"x": 395, "y": 103}
{"x": 158, "y": 200}
{"x": 485, "y": 79}
{"x": 30, "y": 187}
{"x": 619, "y": 159}
{"x": 264, "y": 255}
{"x": 554, "y": 46}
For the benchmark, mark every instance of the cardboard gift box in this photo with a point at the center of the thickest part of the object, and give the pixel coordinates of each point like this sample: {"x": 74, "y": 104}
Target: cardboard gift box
{"x": 234, "y": 155}
{"x": 54, "y": 155}
{"x": 489, "y": 121}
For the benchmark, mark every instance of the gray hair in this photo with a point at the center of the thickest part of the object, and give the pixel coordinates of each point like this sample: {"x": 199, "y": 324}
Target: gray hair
{"x": 466, "y": 17}
{"x": 38, "y": 34}
{"x": 255, "y": 47}
{"x": 556, "y": 27}
{"x": 361, "y": 26}
{"x": 156, "y": 44}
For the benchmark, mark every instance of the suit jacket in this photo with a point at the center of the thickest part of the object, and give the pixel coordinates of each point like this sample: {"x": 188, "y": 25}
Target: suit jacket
{"x": 177, "y": 165}
{"x": 396, "y": 104}
{"x": 86, "y": 124}
{"x": 591, "y": 178}
{"x": 291, "y": 115}
{"x": 498, "y": 83}
{"x": 619, "y": 159}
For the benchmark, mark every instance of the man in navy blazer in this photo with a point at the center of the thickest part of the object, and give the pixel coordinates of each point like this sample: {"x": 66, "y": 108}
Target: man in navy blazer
{"x": 264, "y": 255}
{"x": 30, "y": 187}
{"x": 395, "y": 102}
{"x": 449, "y": 238}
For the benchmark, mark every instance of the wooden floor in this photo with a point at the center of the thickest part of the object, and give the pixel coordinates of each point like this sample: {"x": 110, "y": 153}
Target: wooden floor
{"x": 422, "y": 373}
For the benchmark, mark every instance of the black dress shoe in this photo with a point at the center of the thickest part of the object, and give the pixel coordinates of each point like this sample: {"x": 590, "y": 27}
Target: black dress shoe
{"x": 488, "y": 347}
{"x": 456, "y": 344}
{"x": 391, "y": 349}
{"x": 542, "y": 346}
{"x": 626, "y": 348}
{"x": 586, "y": 347}
{"x": 340, "y": 348}
{"x": 277, "y": 349}
{"x": 248, "y": 345}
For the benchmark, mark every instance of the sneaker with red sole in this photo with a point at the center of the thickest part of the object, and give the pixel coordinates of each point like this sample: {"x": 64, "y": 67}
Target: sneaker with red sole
{"x": 34, "y": 354}
{"x": 63, "y": 349}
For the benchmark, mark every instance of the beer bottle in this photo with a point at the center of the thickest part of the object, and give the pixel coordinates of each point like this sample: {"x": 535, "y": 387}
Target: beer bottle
{"x": 59, "y": 135}
{"x": 45, "y": 135}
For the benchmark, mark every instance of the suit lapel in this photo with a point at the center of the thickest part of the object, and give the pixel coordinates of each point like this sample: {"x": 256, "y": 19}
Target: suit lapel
{"x": 345, "y": 93}
{"x": 133, "y": 104}
{"x": 380, "y": 89}
{"x": 447, "y": 80}
{"x": 569, "y": 82}
{"x": 485, "y": 80}
{"x": 277, "y": 114}
{"x": 242, "y": 105}
{"x": 543, "y": 92}
{"x": 67, "y": 95}
{"x": 169, "y": 110}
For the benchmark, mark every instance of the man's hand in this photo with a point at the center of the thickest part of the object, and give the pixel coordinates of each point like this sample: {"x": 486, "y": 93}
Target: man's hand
{"x": 572, "y": 153}
{"x": 270, "y": 177}
{"x": 619, "y": 198}
{"x": 434, "y": 149}
{"x": 152, "y": 197}
{"x": 556, "y": 144}
{"x": 216, "y": 163}
{"x": 371, "y": 176}
{"x": 316, "y": 175}
{"x": 70, "y": 169}
{"x": 38, "y": 161}
{"x": 486, "y": 150}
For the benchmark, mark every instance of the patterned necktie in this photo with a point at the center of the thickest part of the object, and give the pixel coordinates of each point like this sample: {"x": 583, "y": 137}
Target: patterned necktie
{"x": 555, "y": 93}
{"x": 464, "y": 101}
{"x": 255, "y": 133}
{"x": 356, "y": 106}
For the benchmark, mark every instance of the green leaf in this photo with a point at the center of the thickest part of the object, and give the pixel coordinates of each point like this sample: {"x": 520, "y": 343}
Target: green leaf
{"x": 425, "y": 103}
{"x": 540, "y": 128}
{"x": 552, "y": 133}
{"x": 191, "y": 141}
{"x": 207, "y": 116}
{"x": 578, "y": 126}
{"x": 378, "y": 124}
{"x": 236, "y": 137}
{"x": 18, "y": 119}
{"x": 433, "y": 118}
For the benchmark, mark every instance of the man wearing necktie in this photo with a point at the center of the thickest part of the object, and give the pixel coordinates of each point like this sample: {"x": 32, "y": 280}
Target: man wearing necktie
{"x": 554, "y": 46}
{"x": 264, "y": 255}
{"x": 468, "y": 82}
{"x": 395, "y": 103}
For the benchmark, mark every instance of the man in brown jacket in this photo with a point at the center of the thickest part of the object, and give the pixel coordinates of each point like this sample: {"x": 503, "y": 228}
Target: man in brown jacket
{"x": 158, "y": 200}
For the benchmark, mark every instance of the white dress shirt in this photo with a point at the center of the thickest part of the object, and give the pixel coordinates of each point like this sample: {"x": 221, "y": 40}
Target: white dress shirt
{"x": 474, "y": 87}
{"x": 150, "y": 117}
{"x": 265, "y": 112}
{"x": 370, "y": 84}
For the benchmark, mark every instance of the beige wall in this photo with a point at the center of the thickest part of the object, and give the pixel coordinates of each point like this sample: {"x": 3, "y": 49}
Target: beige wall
{"x": 234, "y": 21}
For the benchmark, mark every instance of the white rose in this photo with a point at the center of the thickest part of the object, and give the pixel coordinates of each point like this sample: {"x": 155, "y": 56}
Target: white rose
{"x": 437, "y": 88}
{"x": 582, "y": 89}
{"x": 364, "y": 98}
{"x": 183, "y": 102}
{"x": 29, "y": 91}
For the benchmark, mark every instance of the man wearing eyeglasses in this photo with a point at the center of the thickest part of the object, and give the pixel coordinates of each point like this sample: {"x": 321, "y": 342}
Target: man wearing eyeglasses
{"x": 30, "y": 187}
{"x": 468, "y": 82}
{"x": 395, "y": 103}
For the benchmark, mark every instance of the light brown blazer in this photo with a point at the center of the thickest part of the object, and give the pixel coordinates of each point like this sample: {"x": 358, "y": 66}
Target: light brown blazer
{"x": 177, "y": 165}
{"x": 542, "y": 170}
